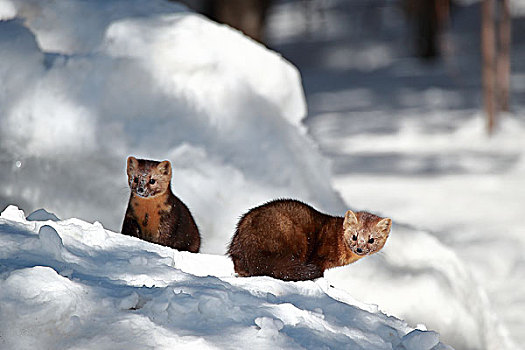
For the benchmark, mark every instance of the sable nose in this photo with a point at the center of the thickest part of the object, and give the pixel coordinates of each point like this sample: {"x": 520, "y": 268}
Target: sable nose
{"x": 359, "y": 250}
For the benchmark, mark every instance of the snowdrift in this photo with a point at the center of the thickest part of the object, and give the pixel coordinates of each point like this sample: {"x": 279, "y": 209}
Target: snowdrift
{"x": 74, "y": 285}
{"x": 104, "y": 80}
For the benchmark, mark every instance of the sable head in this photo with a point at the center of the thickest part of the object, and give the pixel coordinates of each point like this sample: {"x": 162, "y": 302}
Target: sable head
{"x": 148, "y": 178}
{"x": 365, "y": 233}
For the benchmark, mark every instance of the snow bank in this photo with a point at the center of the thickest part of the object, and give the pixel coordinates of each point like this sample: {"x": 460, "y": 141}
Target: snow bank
{"x": 70, "y": 284}
{"x": 106, "y": 79}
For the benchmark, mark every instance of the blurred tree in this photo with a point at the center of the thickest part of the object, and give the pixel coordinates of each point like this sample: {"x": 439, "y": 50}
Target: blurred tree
{"x": 503, "y": 59}
{"x": 495, "y": 50}
{"x": 488, "y": 52}
{"x": 248, "y": 16}
{"x": 429, "y": 18}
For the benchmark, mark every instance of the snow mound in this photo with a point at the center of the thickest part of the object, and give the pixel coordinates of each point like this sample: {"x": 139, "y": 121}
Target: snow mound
{"x": 51, "y": 241}
{"x": 418, "y": 339}
{"x": 90, "y": 83}
{"x": 75, "y": 285}
{"x": 42, "y": 215}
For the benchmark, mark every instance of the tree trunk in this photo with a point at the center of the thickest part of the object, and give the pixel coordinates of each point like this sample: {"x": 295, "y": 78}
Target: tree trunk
{"x": 503, "y": 60}
{"x": 248, "y": 16}
{"x": 488, "y": 47}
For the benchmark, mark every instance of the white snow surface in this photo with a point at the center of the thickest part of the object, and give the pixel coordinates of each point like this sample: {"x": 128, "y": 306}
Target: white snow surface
{"x": 87, "y": 83}
{"x": 74, "y": 285}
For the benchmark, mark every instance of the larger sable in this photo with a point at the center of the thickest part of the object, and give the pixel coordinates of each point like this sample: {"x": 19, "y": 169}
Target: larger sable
{"x": 154, "y": 213}
{"x": 290, "y": 240}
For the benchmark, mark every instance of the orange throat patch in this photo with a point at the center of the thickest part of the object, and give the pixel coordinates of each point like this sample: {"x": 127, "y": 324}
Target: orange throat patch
{"x": 148, "y": 213}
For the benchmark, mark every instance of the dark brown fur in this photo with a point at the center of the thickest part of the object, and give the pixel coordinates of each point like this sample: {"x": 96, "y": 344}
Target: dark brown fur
{"x": 154, "y": 213}
{"x": 290, "y": 240}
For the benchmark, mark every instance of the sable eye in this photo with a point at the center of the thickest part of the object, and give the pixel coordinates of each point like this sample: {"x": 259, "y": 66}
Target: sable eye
{"x": 151, "y": 181}
{"x": 136, "y": 179}
{"x": 371, "y": 240}
{"x": 354, "y": 237}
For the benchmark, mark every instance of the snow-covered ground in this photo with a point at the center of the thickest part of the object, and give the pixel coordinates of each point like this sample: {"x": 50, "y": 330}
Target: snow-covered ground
{"x": 85, "y": 84}
{"x": 74, "y": 285}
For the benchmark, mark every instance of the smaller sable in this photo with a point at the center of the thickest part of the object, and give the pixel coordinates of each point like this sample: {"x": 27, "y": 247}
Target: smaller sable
{"x": 154, "y": 213}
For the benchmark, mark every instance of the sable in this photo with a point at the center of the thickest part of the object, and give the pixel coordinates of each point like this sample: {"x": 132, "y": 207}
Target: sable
{"x": 290, "y": 240}
{"x": 154, "y": 213}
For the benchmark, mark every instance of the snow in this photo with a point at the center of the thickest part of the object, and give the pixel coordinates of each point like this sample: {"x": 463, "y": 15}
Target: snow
{"x": 110, "y": 79}
{"x": 74, "y": 285}
{"x": 85, "y": 84}
{"x": 42, "y": 215}
{"x": 418, "y": 338}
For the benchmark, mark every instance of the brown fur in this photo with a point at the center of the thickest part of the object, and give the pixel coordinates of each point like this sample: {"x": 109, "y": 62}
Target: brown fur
{"x": 290, "y": 240}
{"x": 154, "y": 213}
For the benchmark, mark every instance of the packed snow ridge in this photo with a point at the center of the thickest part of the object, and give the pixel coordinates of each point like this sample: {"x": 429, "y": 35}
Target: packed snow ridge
{"x": 74, "y": 285}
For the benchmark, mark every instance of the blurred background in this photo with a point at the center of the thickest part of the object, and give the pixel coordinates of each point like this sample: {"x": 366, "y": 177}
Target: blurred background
{"x": 431, "y": 30}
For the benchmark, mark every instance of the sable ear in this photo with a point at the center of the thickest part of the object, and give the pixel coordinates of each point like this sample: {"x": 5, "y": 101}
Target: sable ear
{"x": 384, "y": 225}
{"x": 164, "y": 168}
{"x": 350, "y": 219}
{"x": 132, "y": 163}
